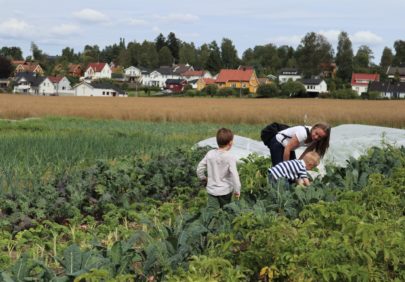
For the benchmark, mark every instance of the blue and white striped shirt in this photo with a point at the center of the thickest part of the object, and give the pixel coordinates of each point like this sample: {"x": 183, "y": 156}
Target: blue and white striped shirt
{"x": 292, "y": 170}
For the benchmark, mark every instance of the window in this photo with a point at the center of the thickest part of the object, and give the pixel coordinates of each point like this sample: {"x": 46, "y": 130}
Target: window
{"x": 233, "y": 84}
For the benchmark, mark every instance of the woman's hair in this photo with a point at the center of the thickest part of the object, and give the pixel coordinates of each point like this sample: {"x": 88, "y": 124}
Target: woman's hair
{"x": 322, "y": 144}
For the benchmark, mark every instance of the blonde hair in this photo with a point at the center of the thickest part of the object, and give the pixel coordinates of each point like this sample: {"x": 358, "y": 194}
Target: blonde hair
{"x": 312, "y": 157}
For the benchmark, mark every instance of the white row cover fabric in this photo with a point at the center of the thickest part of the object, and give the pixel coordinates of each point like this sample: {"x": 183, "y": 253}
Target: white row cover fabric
{"x": 348, "y": 140}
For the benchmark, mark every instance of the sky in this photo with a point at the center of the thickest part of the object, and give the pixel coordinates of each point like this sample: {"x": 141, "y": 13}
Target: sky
{"x": 54, "y": 25}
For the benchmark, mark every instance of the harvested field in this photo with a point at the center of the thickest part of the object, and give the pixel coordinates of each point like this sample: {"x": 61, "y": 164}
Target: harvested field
{"x": 213, "y": 110}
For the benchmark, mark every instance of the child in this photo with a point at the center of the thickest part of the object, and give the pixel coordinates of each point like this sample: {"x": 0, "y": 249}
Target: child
{"x": 222, "y": 175}
{"x": 295, "y": 170}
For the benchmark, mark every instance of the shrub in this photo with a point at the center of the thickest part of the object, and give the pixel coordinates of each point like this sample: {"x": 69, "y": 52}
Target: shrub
{"x": 268, "y": 90}
{"x": 292, "y": 89}
{"x": 211, "y": 89}
{"x": 227, "y": 91}
{"x": 345, "y": 94}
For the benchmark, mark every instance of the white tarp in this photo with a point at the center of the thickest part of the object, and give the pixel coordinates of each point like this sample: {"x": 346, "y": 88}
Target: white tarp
{"x": 348, "y": 140}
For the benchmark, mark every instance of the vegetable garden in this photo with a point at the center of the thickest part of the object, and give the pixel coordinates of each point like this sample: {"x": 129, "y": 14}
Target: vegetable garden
{"x": 138, "y": 217}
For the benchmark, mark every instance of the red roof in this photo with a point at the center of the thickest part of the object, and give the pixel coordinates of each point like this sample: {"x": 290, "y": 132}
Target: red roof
{"x": 364, "y": 78}
{"x": 209, "y": 81}
{"x": 226, "y": 75}
{"x": 97, "y": 67}
{"x": 193, "y": 73}
{"x": 55, "y": 79}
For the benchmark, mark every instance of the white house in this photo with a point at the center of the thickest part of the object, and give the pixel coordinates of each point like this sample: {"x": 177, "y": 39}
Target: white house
{"x": 97, "y": 71}
{"x": 158, "y": 77}
{"x": 27, "y": 82}
{"x": 192, "y": 75}
{"x": 315, "y": 85}
{"x": 98, "y": 90}
{"x": 396, "y": 72}
{"x": 288, "y": 73}
{"x": 132, "y": 74}
{"x": 360, "y": 81}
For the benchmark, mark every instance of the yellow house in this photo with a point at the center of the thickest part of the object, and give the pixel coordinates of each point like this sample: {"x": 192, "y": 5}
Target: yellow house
{"x": 240, "y": 78}
{"x": 203, "y": 82}
{"x": 29, "y": 67}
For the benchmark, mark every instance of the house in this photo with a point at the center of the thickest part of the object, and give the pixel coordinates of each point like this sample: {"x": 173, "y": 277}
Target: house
{"x": 388, "y": 90}
{"x": 360, "y": 81}
{"x": 196, "y": 74}
{"x": 328, "y": 70}
{"x": 176, "y": 85}
{"x": 158, "y": 77}
{"x": 27, "y": 82}
{"x": 314, "y": 86}
{"x": 28, "y": 67}
{"x": 181, "y": 68}
{"x": 245, "y": 78}
{"x": 396, "y": 72}
{"x": 60, "y": 84}
{"x": 98, "y": 89}
{"x": 264, "y": 81}
{"x": 288, "y": 73}
{"x": 97, "y": 71}
{"x": 132, "y": 74}
{"x": 203, "y": 82}
{"x": 4, "y": 83}
{"x": 75, "y": 70}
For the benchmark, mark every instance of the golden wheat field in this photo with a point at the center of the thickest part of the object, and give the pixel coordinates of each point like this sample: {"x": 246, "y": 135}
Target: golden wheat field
{"x": 215, "y": 110}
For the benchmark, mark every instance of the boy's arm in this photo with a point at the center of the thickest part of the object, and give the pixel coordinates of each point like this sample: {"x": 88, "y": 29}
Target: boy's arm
{"x": 201, "y": 169}
{"x": 306, "y": 181}
{"x": 235, "y": 177}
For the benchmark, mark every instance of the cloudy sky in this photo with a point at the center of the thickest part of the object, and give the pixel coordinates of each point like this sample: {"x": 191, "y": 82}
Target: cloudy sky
{"x": 54, "y": 25}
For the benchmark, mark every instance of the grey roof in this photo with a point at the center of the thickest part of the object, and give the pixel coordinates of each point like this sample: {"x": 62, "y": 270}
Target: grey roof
{"x": 389, "y": 87}
{"x": 165, "y": 70}
{"x": 175, "y": 81}
{"x": 31, "y": 77}
{"x": 311, "y": 81}
{"x": 179, "y": 69}
{"x": 105, "y": 85}
{"x": 395, "y": 70}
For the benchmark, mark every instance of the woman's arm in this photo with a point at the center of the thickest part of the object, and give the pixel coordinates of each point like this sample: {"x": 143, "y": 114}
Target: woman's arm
{"x": 291, "y": 146}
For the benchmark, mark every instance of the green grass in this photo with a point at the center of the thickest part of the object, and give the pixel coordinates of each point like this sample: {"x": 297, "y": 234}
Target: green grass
{"x": 32, "y": 149}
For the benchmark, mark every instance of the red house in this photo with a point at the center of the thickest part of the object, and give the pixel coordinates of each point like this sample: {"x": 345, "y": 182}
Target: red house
{"x": 176, "y": 85}
{"x": 360, "y": 81}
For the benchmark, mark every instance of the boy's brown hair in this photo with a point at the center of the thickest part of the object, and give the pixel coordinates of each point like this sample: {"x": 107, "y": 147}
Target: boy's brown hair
{"x": 224, "y": 137}
{"x": 312, "y": 157}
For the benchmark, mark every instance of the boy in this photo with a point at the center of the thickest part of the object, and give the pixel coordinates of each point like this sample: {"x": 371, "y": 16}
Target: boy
{"x": 295, "y": 170}
{"x": 222, "y": 175}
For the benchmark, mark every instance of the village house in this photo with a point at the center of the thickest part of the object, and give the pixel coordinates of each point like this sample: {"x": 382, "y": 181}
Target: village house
{"x": 176, "y": 85}
{"x": 240, "y": 79}
{"x": 314, "y": 86}
{"x": 396, "y": 73}
{"x": 98, "y": 89}
{"x": 158, "y": 77}
{"x": 390, "y": 90}
{"x": 75, "y": 70}
{"x": 97, "y": 71}
{"x": 287, "y": 74}
{"x": 132, "y": 74}
{"x": 204, "y": 82}
{"x": 27, "y": 82}
{"x": 23, "y": 66}
{"x": 360, "y": 81}
{"x": 196, "y": 74}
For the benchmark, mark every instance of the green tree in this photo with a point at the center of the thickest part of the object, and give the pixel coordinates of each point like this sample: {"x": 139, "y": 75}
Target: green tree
{"x": 174, "y": 45}
{"x": 37, "y": 54}
{"x": 160, "y": 42}
{"x": 399, "y": 57}
{"x": 6, "y": 68}
{"x": 214, "y": 63}
{"x": 268, "y": 90}
{"x": 13, "y": 53}
{"x": 165, "y": 56}
{"x": 386, "y": 58}
{"x": 148, "y": 56}
{"x": 313, "y": 51}
{"x": 188, "y": 54}
{"x": 229, "y": 55}
{"x": 362, "y": 60}
{"x": 203, "y": 54}
{"x": 292, "y": 89}
{"x": 344, "y": 57}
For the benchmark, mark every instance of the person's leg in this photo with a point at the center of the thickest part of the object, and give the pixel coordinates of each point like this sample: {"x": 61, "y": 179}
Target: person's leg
{"x": 213, "y": 203}
{"x": 276, "y": 151}
{"x": 224, "y": 200}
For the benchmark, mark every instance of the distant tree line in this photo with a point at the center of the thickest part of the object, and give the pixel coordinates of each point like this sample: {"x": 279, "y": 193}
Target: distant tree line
{"x": 313, "y": 52}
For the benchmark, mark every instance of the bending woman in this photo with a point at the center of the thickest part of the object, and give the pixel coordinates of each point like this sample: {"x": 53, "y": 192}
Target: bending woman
{"x": 315, "y": 138}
